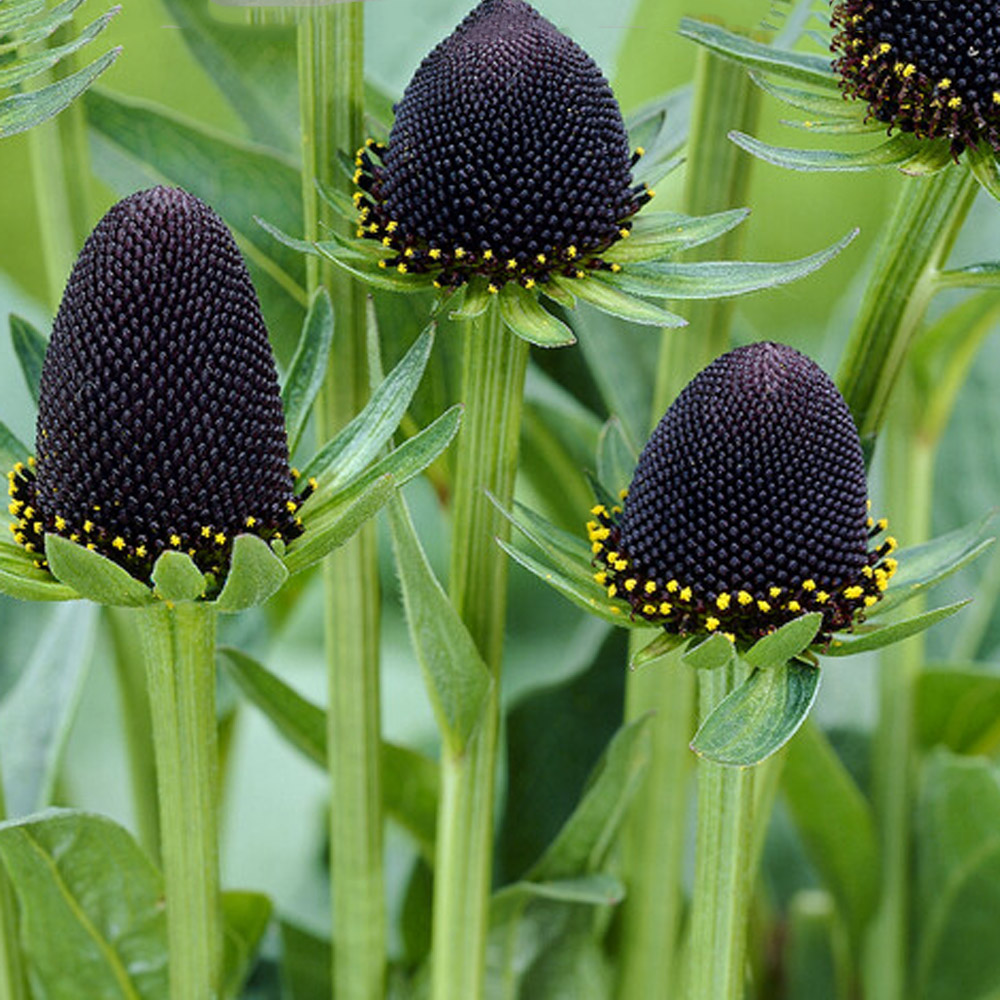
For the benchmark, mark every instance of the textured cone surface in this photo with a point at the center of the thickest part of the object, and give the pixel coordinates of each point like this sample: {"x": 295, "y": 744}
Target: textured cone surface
{"x": 508, "y": 139}
{"x": 748, "y": 505}
{"x": 160, "y": 423}
{"x": 931, "y": 67}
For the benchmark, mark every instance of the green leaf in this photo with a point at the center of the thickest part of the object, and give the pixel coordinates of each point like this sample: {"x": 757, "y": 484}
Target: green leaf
{"x": 25, "y": 67}
{"x": 982, "y": 161}
{"x": 959, "y": 707}
{"x": 329, "y": 531}
{"x": 786, "y": 643}
{"x": 816, "y": 103}
{"x": 29, "y": 584}
{"x": 616, "y": 457}
{"x": 94, "y": 576}
{"x": 387, "y": 278}
{"x": 21, "y": 112}
{"x": 665, "y": 642}
{"x": 710, "y": 654}
{"x": 924, "y": 566}
{"x": 255, "y": 574}
{"x": 582, "y": 845}
{"x": 958, "y": 856}
{"x": 37, "y": 714}
{"x": 366, "y": 435}
{"x": 800, "y": 66}
{"x": 568, "y": 551}
{"x": 38, "y": 28}
{"x": 307, "y": 963}
{"x": 409, "y": 779}
{"x": 29, "y": 346}
{"x": 402, "y": 464}
{"x": 835, "y": 823}
{"x": 718, "y": 279}
{"x": 659, "y": 234}
{"x": 596, "y": 889}
{"x": 885, "y": 635}
{"x": 238, "y": 179}
{"x": 759, "y": 717}
{"x": 17, "y": 14}
{"x": 890, "y": 153}
{"x": 617, "y": 303}
{"x": 91, "y": 907}
{"x": 12, "y": 450}
{"x": 475, "y": 300}
{"x": 457, "y": 679}
{"x": 246, "y": 916}
{"x": 308, "y": 367}
{"x": 523, "y": 313}
{"x": 176, "y": 577}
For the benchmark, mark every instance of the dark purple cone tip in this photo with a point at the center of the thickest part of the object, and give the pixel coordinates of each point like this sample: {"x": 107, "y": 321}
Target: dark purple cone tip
{"x": 748, "y": 507}
{"x": 930, "y": 68}
{"x": 160, "y": 424}
{"x": 508, "y": 158}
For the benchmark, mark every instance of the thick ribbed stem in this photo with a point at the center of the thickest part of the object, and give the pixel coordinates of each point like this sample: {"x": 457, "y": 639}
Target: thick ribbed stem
{"x": 331, "y": 93}
{"x": 917, "y": 240}
{"x": 910, "y": 478}
{"x": 492, "y": 390}
{"x": 655, "y": 833}
{"x": 723, "y": 874}
{"x": 179, "y": 646}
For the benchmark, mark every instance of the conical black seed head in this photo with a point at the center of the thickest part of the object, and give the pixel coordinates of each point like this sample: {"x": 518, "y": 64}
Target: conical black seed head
{"x": 748, "y": 506}
{"x": 508, "y": 156}
{"x": 930, "y": 67}
{"x": 160, "y": 423}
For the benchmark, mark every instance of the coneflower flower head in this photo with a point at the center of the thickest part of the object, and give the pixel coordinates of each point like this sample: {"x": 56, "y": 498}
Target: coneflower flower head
{"x": 160, "y": 424}
{"x": 508, "y": 158}
{"x": 930, "y": 67}
{"x": 748, "y": 507}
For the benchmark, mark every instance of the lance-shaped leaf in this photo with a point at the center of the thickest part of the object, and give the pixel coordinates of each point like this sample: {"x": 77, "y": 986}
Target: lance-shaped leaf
{"x": 886, "y": 635}
{"x": 890, "y": 153}
{"x": 308, "y": 367}
{"x": 458, "y": 681}
{"x": 759, "y": 717}
{"x": 618, "y": 303}
{"x": 657, "y": 234}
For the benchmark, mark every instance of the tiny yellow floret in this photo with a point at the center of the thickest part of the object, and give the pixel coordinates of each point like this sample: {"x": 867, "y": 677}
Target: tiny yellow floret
{"x": 744, "y": 598}
{"x": 711, "y": 623}
{"x": 722, "y": 601}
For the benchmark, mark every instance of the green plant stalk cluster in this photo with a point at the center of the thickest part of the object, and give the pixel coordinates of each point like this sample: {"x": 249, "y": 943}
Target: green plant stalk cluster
{"x": 331, "y": 91}
{"x": 717, "y": 179}
{"x": 494, "y": 367}
{"x": 179, "y": 647}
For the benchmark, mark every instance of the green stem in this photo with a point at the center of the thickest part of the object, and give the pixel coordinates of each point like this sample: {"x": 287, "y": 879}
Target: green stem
{"x": 492, "y": 389}
{"x": 723, "y": 874}
{"x": 655, "y": 833}
{"x": 331, "y": 91}
{"x": 179, "y": 646}
{"x": 910, "y": 468}
{"x": 13, "y": 985}
{"x": 918, "y": 239}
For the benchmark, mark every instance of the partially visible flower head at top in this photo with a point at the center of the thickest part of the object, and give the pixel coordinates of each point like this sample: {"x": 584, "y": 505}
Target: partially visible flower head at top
{"x": 160, "y": 424}
{"x": 508, "y": 159}
{"x": 930, "y": 67}
{"x": 748, "y": 507}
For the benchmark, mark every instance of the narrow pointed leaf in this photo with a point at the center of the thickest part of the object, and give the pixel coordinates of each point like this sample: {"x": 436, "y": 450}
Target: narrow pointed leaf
{"x": 177, "y": 578}
{"x": 565, "y": 549}
{"x": 364, "y": 437}
{"x": 29, "y": 346}
{"x": 37, "y": 28}
{"x": 886, "y": 635}
{"x": 91, "y": 907}
{"x": 597, "y": 889}
{"x": 94, "y": 576}
{"x": 717, "y": 279}
{"x": 714, "y": 652}
{"x": 890, "y": 153}
{"x": 16, "y": 14}
{"x": 523, "y": 313}
{"x": 12, "y": 450}
{"x": 661, "y": 233}
{"x": 800, "y": 66}
{"x": 779, "y": 647}
{"x": 819, "y": 103}
{"x": 24, "y": 111}
{"x": 759, "y": 717}
{"x": 616, "y": 457}
{"x": 387, "y": 278}
{"x": 308, "y": 367}
{"x": 612, "y": 300}
{"x": 458, "y": 681}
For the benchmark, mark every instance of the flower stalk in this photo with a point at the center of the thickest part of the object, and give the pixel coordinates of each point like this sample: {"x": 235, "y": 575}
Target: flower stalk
{"x": 494, "y": 367}
{"x": 179, "y": 646}
{"x": 331, "y": 91}
{"x": 655, "y": 835}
